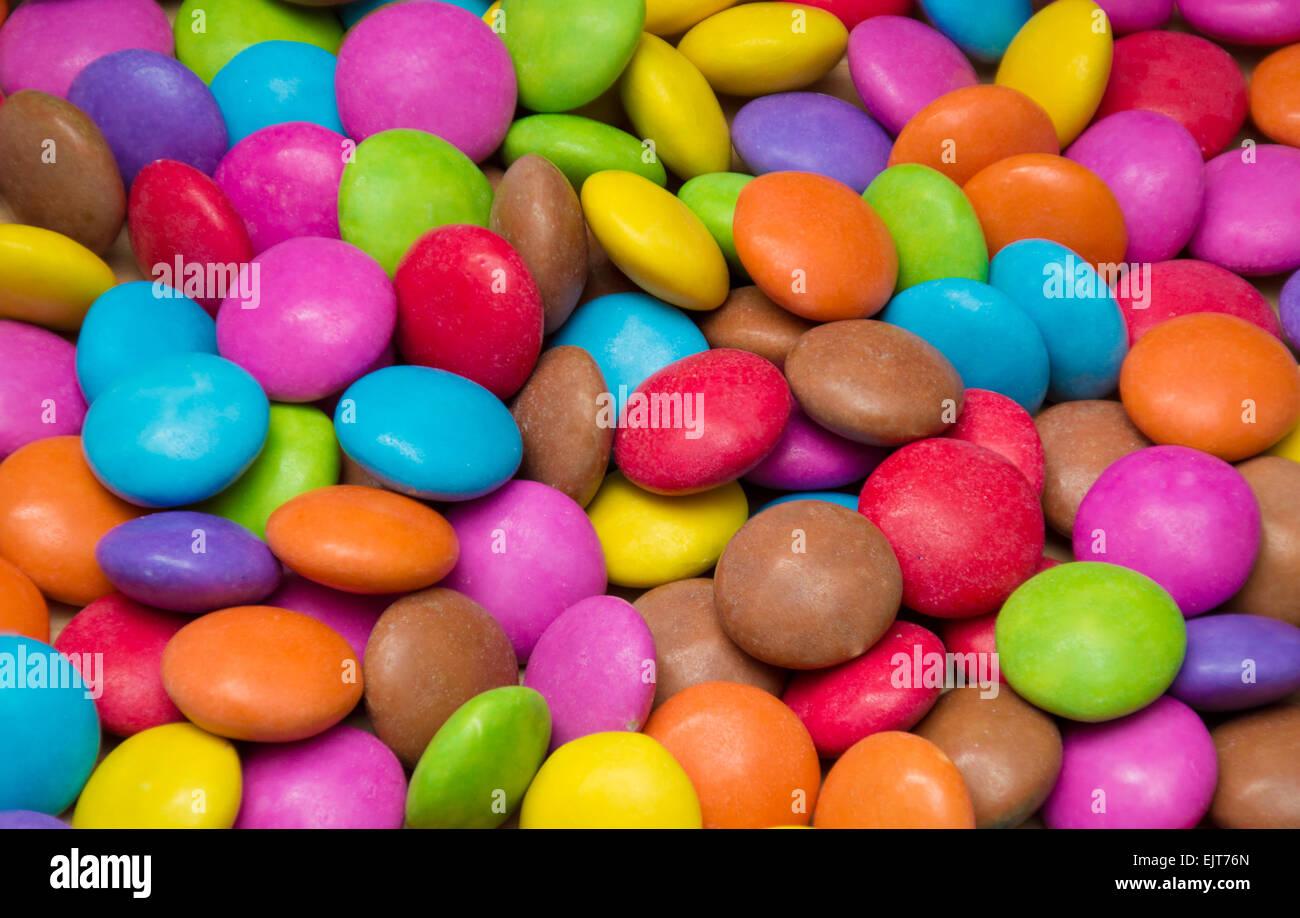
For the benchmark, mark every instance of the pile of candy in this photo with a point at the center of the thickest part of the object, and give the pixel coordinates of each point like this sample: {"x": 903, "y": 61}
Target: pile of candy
{"x": 649, "y": 413}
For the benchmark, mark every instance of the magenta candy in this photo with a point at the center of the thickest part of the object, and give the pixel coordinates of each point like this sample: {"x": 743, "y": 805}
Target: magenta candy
{"x": 995, "y": 422}
{"x": 284, "y": 181}
{"x": 345, "y": 778}
{"x": 322, "y": 313}
{"x": 39, "y": 394}
{"x": 1186, "y": 519}
{"x": 1155, "y": 769}
{"x": 1137, "y": 15}
{"x": 352, "y": 615}
{"x": 430, "y": 66}
{"x": 45, "y": 45}
{"x": 809, "y": 457}
{"x": 595, "y": 666}
{"x": 1244, "y": 22}
{"x": 900, "y": 66}
{"x": 1252, "y": 205}
{"x": 1154, "y": 168}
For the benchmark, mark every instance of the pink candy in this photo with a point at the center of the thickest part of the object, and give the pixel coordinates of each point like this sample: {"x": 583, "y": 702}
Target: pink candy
{"x": 39, "y": 394}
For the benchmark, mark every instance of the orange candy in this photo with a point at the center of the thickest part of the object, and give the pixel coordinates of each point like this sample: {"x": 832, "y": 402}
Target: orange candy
{"x": 750, "y": 758}
{"x": 894, "y": 780}
{"x": 363, "y": 540}
{"x": 1041, "y": 196}
{"x": 1213, "y": 382}
{"x": 22, "y": 607}
{"x": 52, "y": 513}
{"x": 964, "y": 131}
{"x": 260, "y": 673}
{"x": 1275, "y": 95}
{"x": 814, "y": 246}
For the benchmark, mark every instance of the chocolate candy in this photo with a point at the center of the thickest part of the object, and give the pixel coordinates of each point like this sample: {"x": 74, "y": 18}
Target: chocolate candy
{"x": 750, "y": 321}
{"x": 1259, "y": 770}
{"x": 1270, "y": 588}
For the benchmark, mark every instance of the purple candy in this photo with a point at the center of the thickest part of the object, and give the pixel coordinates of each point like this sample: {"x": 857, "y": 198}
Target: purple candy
{"x": 527, "y": 553}
{"x": 1186, "y": 519}
{"x": 1288, "y": 307}
{"x": 29, "y": 819}
{"x": 186, "y": 561}
{"x": 595, "y": 666}
{"x": 352, "y": 615}
{"x": 1251, "y": 223}
{"x": 1238, "y": 661}
{"x": 1244, "y": 22}
{"x": 811, "y": 132}
{"x": 431, "y": 66}
{"x": 149, "y": 106}
{"x": 284, "y": 181}
{"x": 1154, "y": 167}
{"x": 39, "y": 394}
{"x": 1155, "y": 769}
{"x": 1136, "y": 15}
{"x": 44, "y": 45}
{"x": 900, "y": 66}
{"x": 810, "y": 457}
{"x": 345, "y": 778}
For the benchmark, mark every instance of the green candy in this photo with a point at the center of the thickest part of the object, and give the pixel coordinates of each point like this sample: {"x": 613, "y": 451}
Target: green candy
{"x": 581, "y": 146}
{"x": 1090, "y": 641}
{"x": 567, "y": 52}
{"x": 475, "y": 770}
{"x": 209, "y": 34}
{"x": 300, "y": 454}
{"x": 933, "y": 224}
{"x": 402, "y": 183}
{"x": 712, "y": 198}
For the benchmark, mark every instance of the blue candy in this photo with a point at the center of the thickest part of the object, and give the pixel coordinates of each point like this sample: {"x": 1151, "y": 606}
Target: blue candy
{"x": 351, "y": 13}
{"x": 273, "y": 82}
{"x": 982, "y": 29}
{"x": 835, "y": 497}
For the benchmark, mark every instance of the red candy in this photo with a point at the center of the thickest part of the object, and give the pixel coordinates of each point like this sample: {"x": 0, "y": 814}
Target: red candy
{"x": 1186, "y": 285}
{"x": 998, "y": 423}
{"x": 851, "y": 12}
{"x": 965, "y": 524}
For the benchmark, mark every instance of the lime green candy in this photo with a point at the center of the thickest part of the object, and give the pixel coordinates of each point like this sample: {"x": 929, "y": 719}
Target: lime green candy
{"x": 300, "y": 454}
{"x": 476, "y": 768}
{"x": 1090, "y": 641}
{"x": 712, "y": 198}
{"x": 567, "y": 52}
{"x": 580, "y": 147}
{"x": 933, "y": 224}
{"x": 402, "y": 183}
{"x": 209, "y": 34}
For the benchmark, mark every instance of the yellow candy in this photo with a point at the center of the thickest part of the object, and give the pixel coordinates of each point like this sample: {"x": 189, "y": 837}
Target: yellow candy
{"x": 1289, "y": 446}
{"x": 758, "y": 48}
{"x": 611, "y": 781}
{"x": 670, "y": 103}
{"x": 655, "y": 240}
{"x": 490, "y": 17}
{"x": 672, "y": 17}
{"x": 48, "y": 279}
{"x": 171, "y": 777}
{"x": 1061, "y": 59}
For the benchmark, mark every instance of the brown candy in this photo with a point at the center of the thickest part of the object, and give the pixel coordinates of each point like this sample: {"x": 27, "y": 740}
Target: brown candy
{"x": 1274, "y": 585}
{"x": 873, "y": 382}
{"x": 603, "y": 277}
{"x": 351, "y": 473}
{"x": 537, "y": 211}
{"x": 1080, "y": 439}
{"x": 557, "y": 413}
{"x": 750, "y": 321}
{"x": 1259, "y": 770}
{"x": 429, "y": 653}
{"x": 57, "y": 171}
{"x": 690, "y": 646}
{"x": 807, "y": 584}
{"x": 1008, "y": 751}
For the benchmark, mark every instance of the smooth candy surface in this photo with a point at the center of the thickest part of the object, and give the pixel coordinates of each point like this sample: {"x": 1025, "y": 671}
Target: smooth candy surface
{"x": 1274, "y": 97}
{"x": 1243, "y": 22}
{"x": 1258, "y": 777}
{"x": 1238, "y": 661}
{"x": 233, "y": 25}
{"x": 1185, "y": 285}
{"x": 997, "y": 423}
{"x": 984, "y": 33}
{"x": 894, "y": 780}
{"x": 1251, "y": 197}
{"x": 810, "y": 456}
{"x": 39, "y": 396}
{"x": 712, "y": 197}
{"x": 22, "y": 607}
{"x": 1276, "y": 483}
{"x": 750, "y": 321}
{"x": 580, "y": 147}
{"x": 1137, "y": 15}
{"x": 274, "y": 82}
{"x": 50, "y": 280}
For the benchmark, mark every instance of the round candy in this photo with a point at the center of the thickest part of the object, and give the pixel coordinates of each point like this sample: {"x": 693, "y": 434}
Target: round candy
{"x": 343, "y": 779}
{"x": 983, "y": 32}
{"x": 1289, "y": 309}
{"x": 170, "y": 777}
{"x": 1243, "y": 22}
{"x": 149, "y": 107}
{"x": 1187, "y": 520}
{"x": 48, "y": 727}
{"x": 274, "y": 82}
{"x": 835, "y": 497}
{"x": 749, "y": 758}
{"x": 1251, "y": 197}
{"x": 750, "y": 321}
{"x": 611, "y": 781}
{"x": 894, "y": 780}
{"x": 1154, "y": 168}
{"x": 353, "y": 12}
{"x": 1275, "y": 482}
{"x": 352, "y": 615}
{"x": 23, "y": 610}
{"x": 1259, "y": 774}
{"x": 997, "y": 423}
{"x": 478, "y": 765}
{"x": 178, "y": 431}
{"x": 39, "y": 396}
{"x": 1185, "y": 285}
{"x": 1008, "y": 751}
{"x": 814, "y": 246}
{"x": 1137, "y": 15}
{"x": 1090, "y": 641}
{"x": 1213, "y": 382}
{"x": 712, "y": 197}
{"x": 527, "y": 553}
{"x": 808, "y": 456}
{"x": 49, "y": 279}
{"x": 429, "y": 653}
{"x": 806, "y": 585}
{"x": 208, "y": 37}
{"x": 1274, "y": 96}
{"x": 29, "y": 819}
{"x": 853, "y": 12}
{"x": 1155, "y": 769}
{"x": 1238, "y": 661}
{"x": 580, "y": 147}
{"x": 673, "y": 17}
